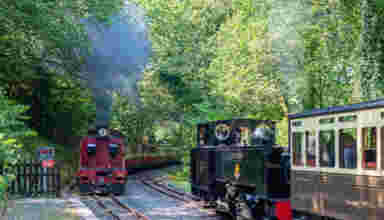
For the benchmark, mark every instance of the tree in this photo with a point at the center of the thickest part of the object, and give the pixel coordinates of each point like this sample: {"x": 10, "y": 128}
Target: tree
{"x": 241, "y": 67}
{"x": 371, "y": 41}
{"x": 40, "y": 60}
{"x": 12, "y": 131}
{"x": 183, "y": 37}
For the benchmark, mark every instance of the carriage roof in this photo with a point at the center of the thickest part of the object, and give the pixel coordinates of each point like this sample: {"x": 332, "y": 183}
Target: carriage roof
{"x": 339, "y": 109}
{"x": 238, "y": 120}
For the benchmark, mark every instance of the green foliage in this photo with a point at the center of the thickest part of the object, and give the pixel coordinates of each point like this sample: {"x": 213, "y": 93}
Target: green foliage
{"x": 12, "y": 131}
{"x": 69, "y": 108}
{"x": 240, "y": 67}
{"x": 129, "y": 120}
{"x": 328, "y": 58}
{"x": 212, "y": 60}
{"x": 282, "y": 132}
{"x": 195, "y": 43}
{"x": 40, "y": 63}
{"x": 182, "y": 33}
{"x": 379, "y": 3}
{"x": 37, "y": 33}
{"x": 40, "y": 39}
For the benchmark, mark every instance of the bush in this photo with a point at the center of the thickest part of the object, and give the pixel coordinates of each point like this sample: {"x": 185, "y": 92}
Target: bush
{"x": 12, "y": 131}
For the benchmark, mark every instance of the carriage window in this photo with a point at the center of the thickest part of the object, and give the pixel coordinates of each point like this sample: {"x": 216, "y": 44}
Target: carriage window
{"x": 297, "y": 148}
{"x": 369, "y": 148}
{"x": 348, "y": 148}
{"x": 326, "y": 121}
{"x": 348, "y": 118}
{"x": 297, "y": 123}
{"x": 310, "y": 143}
{"x": 327, "y": 148}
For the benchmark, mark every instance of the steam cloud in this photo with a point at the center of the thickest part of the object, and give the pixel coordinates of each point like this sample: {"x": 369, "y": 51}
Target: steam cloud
{"x": 286, "y": 18}
{"x": 120, "y": 51}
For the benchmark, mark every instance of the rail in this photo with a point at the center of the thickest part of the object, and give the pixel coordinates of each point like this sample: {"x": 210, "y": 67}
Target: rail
{"x": 156, "y": 184}
{"x": 118, "y": 210}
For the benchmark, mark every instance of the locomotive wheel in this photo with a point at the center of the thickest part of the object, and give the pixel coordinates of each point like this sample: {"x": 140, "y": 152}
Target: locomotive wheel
{"x": 306, "y": 216}
{"x": 243, "y": 211}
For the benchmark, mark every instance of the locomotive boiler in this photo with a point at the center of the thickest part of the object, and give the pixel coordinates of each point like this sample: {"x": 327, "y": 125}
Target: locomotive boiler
{"x": 237, "y": 167}
{"x": 102, "y": 165}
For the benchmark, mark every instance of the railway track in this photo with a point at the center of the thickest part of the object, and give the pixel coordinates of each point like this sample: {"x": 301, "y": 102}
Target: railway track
{"x": 159, "y": 186}
{"x": 156, "y": 184}
{"x": 112, "y": 206}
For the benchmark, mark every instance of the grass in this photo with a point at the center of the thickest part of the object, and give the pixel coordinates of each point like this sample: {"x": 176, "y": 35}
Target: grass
{"x": 180, "y": 179}
{"x": 181, "y": 184}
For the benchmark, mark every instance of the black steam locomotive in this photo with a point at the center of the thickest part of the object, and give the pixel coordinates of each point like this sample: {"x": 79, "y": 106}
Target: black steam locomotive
{"x": 239, "y": 169}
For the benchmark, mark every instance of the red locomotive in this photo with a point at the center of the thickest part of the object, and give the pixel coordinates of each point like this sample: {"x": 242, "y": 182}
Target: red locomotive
{"x": 102, "y": 166}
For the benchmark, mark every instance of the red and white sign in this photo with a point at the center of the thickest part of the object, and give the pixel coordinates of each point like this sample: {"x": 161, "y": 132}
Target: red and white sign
{"x": 48, "y": 163}
{"x": 45, "y": 153}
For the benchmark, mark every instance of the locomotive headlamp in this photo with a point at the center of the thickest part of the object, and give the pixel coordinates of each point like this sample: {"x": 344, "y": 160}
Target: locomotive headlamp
{"x": 237, "y": 171}
{"x": 103, "y": 132}
{"x": 121, "y": 175}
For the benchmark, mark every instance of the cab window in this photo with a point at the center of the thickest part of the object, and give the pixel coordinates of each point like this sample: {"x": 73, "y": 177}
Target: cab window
{"x": 369, "y": 148}
{"x": 297, "y": 148}
{"x": 327, "y": 148}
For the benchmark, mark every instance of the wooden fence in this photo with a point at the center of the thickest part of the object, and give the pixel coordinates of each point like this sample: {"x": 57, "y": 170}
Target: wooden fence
{"x": 34, "y": 180}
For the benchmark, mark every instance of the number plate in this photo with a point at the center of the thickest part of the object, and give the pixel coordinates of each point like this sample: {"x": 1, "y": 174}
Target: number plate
{"x": 237, "y": 156}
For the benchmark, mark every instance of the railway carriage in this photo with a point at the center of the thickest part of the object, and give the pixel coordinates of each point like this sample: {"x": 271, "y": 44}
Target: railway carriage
{"x": 337, "y": 161}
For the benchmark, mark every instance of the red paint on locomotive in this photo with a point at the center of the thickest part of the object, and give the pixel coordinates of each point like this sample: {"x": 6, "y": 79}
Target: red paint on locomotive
{"x": 102, "y": 157}
{"x": 102, "y": 164}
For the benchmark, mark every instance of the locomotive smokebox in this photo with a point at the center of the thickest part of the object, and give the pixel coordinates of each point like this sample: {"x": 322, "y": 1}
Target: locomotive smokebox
{"x": 102, "y": 131}
{"x": 263, "y": 136}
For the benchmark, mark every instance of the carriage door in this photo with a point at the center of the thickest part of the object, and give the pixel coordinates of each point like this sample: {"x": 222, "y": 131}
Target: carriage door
{"x": 310, "y": 181}
{"x": 304, "y": 182}
{"x": 327, "y": 158}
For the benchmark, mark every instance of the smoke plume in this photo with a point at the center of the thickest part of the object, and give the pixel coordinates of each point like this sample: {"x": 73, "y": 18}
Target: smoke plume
{"x": 120, "y": 50}
{"x": 286, "y": 19}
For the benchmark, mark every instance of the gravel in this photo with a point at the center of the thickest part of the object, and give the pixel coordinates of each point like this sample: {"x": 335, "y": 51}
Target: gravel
{"x": 153, "y": 204}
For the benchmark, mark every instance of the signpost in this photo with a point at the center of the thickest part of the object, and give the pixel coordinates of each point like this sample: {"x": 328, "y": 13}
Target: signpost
{"x": 46, "y": 156}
